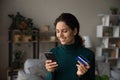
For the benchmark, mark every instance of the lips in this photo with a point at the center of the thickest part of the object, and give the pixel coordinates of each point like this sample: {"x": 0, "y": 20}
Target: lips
{"x": 62, "y": 40}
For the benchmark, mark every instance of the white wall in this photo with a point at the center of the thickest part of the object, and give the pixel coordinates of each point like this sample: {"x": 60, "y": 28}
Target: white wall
{"x": 45, "y": 11}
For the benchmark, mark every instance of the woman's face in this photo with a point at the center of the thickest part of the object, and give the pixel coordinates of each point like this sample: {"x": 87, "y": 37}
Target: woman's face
{"x": 65, "y": 34}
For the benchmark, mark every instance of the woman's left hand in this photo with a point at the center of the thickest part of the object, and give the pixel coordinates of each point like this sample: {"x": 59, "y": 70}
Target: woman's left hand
{"x": 81, "y": 69}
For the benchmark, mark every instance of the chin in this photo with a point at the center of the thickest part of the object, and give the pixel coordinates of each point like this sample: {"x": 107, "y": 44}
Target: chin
{"x": 63, "y": 43}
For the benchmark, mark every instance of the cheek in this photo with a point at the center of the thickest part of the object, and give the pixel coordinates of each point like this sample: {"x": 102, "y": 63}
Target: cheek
{"x": 57, "y": 35}
{"x": 70, "y": 36}
{"x": 67, "y": 35}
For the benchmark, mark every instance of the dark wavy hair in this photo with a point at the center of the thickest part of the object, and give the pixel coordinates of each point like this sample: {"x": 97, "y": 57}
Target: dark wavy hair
{"x": 72, "y": 23}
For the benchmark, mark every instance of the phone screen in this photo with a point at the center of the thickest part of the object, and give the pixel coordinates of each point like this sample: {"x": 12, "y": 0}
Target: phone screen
{"x": 50, "y": 56}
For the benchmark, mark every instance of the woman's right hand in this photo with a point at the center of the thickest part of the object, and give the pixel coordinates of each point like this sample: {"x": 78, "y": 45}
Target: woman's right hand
{"x": 50, "y": 66}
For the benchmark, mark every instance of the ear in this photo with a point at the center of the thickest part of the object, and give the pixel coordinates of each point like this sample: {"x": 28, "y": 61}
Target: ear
{"x": 75, "y": 31}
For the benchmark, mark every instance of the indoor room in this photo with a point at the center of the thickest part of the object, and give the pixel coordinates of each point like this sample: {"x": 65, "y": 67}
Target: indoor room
{"x": 28, "y": 31}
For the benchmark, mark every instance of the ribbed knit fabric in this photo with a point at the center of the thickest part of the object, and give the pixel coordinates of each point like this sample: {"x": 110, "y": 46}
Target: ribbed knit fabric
{"x": 66, "y": 59}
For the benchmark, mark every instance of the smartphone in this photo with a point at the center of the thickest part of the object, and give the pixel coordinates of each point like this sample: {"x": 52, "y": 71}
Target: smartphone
{"x": 50, "y": 56}
{"x": 82, "y": 59}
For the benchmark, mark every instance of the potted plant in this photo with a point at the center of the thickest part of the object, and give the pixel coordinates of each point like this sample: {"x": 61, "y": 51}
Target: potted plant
{"x": 103, "y": 77}
{"x": 24, "y": 25}
{"x": 107, "y": 31}
{"x": 18, "y": 59}
{"x": 114, "y": 10}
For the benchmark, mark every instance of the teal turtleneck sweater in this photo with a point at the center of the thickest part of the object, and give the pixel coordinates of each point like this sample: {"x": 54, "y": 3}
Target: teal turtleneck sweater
{"x": 66, "y": 59}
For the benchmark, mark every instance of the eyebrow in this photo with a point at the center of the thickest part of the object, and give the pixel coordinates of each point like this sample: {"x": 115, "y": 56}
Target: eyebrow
{"x": 63, "y": 28}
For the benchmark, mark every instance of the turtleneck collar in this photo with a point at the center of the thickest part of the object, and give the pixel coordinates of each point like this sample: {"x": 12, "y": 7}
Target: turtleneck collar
{"x": 76, "y": 44}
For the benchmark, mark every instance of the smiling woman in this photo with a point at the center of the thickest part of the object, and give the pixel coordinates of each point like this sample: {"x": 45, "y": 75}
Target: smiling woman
{"x": 67, "y": 32}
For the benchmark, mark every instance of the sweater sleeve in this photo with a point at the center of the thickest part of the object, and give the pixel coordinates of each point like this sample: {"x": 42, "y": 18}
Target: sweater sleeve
{"x": 50, "y": 76}
{"x": 90, "y": 75}
{"x": 91, "y": 72}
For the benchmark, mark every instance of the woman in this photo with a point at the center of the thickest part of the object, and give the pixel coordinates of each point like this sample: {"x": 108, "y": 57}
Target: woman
{"x": 67, "y": 67}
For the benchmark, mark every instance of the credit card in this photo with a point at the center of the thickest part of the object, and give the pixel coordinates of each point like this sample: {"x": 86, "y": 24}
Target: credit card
{"x": 83, "y": 60}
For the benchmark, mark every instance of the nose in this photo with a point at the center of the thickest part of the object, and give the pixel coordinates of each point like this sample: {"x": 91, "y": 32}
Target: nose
{"x": 60, "y": 34}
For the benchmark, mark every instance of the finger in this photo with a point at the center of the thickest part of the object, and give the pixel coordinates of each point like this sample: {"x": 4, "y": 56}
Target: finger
{"x": 82, "y": 68}
{"x": 48, "y": 61}
{"x": 52, "y": 66}
{"x": 80, "y": 64}
{"x": 88, "y": 66}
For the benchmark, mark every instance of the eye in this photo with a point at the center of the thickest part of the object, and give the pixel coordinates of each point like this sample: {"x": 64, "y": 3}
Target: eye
{"x": 57, "y": 31}
{"x": 64, "y": 31}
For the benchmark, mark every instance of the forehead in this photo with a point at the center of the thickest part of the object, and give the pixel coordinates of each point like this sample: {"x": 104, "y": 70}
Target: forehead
{"x": 62, "y": 25}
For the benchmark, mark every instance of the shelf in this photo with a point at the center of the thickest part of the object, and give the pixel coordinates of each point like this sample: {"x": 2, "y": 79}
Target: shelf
{"x": 106, "y": 31}
{"x": 102, "y": 15}
{"x": 109, "y": 34}
{"x": 23, "y": 42}
{"x": 47, "y": 41}
{"x": 108, "y": 19}
{"x": 16, "y": 56}
{"x": 14, "y": 73}
{"x": 46, "y": 32}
